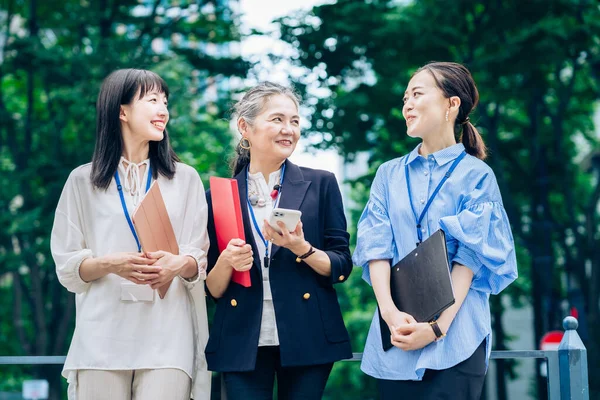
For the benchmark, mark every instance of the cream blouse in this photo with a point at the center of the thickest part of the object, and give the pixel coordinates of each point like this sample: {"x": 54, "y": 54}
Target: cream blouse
{"x": 114, "y": 334}
{"x": 269, "y": 335}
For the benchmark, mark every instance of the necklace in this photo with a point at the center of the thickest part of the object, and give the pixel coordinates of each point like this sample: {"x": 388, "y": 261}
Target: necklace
{"x": 256, "y": 194}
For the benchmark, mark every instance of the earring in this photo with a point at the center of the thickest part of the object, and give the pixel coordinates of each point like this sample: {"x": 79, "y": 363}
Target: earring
{"x": 447, "y": 112}
{"x": 244, "y": 145}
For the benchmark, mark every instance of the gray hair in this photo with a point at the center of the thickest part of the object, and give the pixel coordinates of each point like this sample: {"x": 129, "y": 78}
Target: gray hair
{"x": 249, "y": 107}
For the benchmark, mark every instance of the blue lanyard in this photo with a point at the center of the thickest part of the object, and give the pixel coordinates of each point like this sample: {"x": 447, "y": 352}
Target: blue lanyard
{"x": 120, "y": 189}
{"x": 266, "y": 242}
{"x": 435, "y": 192}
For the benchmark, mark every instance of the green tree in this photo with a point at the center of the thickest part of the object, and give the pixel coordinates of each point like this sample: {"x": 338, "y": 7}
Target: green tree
{"x": 537, "y": 66}
{"x": 53, "y": 57}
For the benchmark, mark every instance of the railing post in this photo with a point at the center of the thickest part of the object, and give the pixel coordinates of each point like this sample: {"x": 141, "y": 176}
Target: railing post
{"x": 572, "y": 358}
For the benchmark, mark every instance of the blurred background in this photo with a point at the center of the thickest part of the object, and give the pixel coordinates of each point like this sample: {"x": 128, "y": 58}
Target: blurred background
{"x": 537, "y": 66}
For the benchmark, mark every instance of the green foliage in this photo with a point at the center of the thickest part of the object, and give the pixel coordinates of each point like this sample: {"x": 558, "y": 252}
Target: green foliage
{"x": 537, "y": 66}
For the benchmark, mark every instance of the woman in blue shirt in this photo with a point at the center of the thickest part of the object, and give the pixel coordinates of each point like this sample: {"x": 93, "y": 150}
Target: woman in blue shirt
{"x": 450, "y": 356}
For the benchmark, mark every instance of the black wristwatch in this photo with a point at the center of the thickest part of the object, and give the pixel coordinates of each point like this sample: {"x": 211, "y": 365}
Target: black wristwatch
{"x": 436, "y": 330}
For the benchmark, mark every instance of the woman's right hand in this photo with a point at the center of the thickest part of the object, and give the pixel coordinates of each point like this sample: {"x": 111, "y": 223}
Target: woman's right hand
{"x": 134, "y": 267}
{"x": 238, "y": 255}
{"x": 395, "y": 318}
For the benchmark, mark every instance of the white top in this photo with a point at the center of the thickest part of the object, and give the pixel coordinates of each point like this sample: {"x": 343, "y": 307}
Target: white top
{"x": 113, "y": 334}
{"x": 268, "y": 327}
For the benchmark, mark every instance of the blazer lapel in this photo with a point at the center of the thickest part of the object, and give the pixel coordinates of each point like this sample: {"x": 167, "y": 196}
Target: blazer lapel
{"x": 293, "y": 191}
{"x": 242, "y": 188}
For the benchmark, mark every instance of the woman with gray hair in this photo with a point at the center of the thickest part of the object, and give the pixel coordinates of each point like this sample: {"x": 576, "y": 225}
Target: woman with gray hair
{"x": 288, "y": 323}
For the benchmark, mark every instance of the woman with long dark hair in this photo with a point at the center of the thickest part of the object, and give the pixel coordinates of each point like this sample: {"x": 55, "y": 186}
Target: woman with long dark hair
{"x": 440, "y": 184}
{"x": 128, "y": 342}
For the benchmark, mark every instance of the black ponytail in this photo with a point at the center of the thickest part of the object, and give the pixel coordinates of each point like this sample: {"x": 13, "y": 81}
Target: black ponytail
{"x": 241, "y": 159}
{"x": 473, "y": 141}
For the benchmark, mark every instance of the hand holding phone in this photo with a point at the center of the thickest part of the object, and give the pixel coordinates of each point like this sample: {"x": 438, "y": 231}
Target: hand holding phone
{"x": 289, "y": 217}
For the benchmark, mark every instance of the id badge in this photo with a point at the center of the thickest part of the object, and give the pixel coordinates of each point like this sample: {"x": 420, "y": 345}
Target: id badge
{"x": 134, "y": 293}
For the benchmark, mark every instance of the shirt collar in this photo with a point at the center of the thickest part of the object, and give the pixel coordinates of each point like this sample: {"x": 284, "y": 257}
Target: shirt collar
{"x": 441, "y": 157}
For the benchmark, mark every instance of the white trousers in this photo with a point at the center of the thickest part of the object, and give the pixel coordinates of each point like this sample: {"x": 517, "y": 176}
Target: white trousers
{"x": 142, "y": 384}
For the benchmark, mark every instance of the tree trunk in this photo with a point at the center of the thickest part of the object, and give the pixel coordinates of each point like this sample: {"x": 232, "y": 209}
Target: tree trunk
{"x": 539, "y": 242}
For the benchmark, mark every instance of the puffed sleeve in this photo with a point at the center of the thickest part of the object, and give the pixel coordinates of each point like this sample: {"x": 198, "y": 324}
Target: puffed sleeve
{"x": 67, "y": 241}
{"x": 375, "y": 239}
{"x": 337, "y": 239}
{"x": 484, "y": 240}
{"x": 194, "y": 240}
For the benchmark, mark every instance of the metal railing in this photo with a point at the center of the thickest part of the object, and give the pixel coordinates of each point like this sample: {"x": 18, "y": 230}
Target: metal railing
{"x": 567, "y": 366}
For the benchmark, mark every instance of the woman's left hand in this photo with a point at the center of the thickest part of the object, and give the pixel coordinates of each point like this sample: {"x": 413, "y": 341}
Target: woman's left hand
{"x": 294, "y": 241}
{"x": 412, "y": 336}
{"x": 171, "y": 264}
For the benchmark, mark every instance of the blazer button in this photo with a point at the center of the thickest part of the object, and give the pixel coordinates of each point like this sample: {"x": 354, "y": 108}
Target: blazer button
{"x": 233, "y": 303}
{"x": 341, "y": 278}
{"x": 306, "y": 296}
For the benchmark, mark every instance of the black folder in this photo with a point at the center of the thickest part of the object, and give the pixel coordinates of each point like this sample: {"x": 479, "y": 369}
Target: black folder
{"x": 420, "y": 283}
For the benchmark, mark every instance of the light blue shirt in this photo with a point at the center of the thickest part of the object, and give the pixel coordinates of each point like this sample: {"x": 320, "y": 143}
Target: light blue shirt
{"x": 469, "y": 209}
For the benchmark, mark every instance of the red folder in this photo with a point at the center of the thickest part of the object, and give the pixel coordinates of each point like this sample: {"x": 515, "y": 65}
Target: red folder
{"x": 227, "y": 214}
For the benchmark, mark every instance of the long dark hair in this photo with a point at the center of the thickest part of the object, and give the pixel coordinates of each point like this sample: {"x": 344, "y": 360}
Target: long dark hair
{"x": 120, "y": 88}
{"x": 454, "y": 79}
{"x": 251, "y": 105}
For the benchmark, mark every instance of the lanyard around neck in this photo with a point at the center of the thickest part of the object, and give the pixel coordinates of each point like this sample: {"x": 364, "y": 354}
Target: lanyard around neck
{"x": 419, "y": 219}
{"x": 124, "y": 205}
{"x": 256, "y": 226}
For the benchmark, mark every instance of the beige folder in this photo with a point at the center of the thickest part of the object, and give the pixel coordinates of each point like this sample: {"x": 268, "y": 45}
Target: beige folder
{"x": 154, "y": 228}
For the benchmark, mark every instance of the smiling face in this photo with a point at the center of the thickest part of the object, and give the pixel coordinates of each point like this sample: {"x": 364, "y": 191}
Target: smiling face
{"x": 425, "y": 106}
{"x": 145, "y": 118}
{"x": 275, "y": 131}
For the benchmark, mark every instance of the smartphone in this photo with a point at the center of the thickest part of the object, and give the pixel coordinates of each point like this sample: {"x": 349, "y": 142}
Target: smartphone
{"x": 289, "y": 217}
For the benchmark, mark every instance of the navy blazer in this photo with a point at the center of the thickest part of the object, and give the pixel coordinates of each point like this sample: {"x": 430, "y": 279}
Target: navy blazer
{"x": 309, "y": 321}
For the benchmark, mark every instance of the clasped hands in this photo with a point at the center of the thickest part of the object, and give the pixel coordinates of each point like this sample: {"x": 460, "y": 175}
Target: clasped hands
{"x": 152, "y": 268}
{"x": 407, "y": 333}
